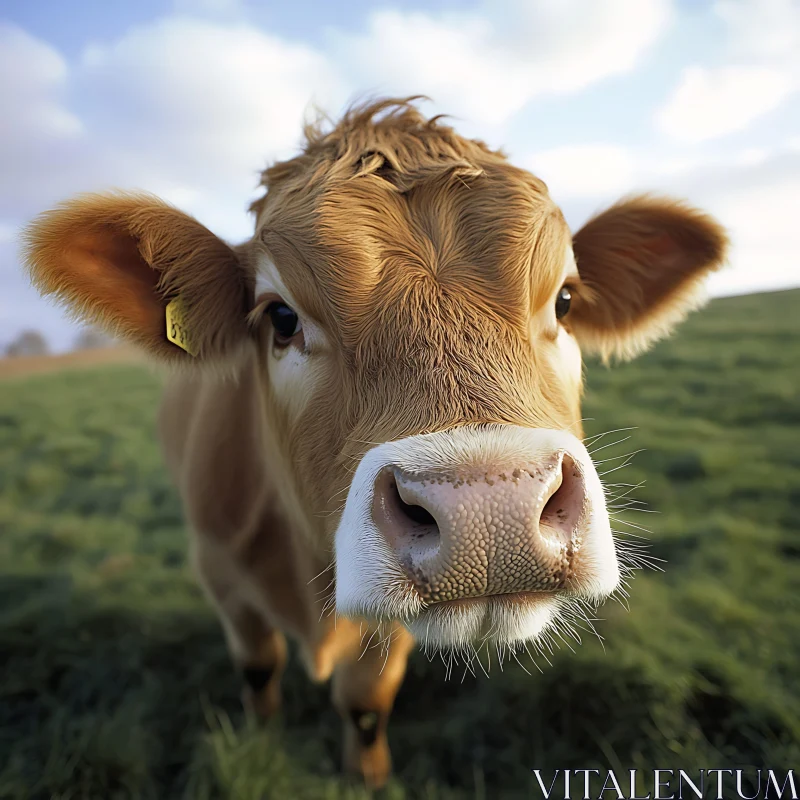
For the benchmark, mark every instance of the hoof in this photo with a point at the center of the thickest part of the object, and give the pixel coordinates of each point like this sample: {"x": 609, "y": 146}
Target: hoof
{"x": 366, "y": 752}
{"x": 262, "y": 692}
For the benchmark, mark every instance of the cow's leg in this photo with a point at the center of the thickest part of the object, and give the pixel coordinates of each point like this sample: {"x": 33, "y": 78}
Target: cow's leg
{"x": 364, "y": 689}
{"x": 259, "y": 653}
{"x": 257, "y": 649}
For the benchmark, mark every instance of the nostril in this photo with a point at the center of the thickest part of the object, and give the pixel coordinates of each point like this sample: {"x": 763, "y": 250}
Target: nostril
{"x": 563, "y": 510}
{"x": 416, "y": 514}
{"x": 408, "y": 527}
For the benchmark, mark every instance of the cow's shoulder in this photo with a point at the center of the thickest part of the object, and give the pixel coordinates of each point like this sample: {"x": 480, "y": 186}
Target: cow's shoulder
{"x": 209, "y": 433}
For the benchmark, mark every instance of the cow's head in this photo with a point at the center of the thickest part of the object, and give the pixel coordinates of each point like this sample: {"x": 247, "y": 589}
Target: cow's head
{"x": 417, "y": 308}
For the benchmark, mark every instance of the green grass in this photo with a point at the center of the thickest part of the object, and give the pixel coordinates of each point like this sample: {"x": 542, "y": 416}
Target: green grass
{"x": 115, "y": 682}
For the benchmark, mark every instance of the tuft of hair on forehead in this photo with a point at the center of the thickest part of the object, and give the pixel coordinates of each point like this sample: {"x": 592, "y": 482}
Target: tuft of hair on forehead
{"x": 389, "y": 138}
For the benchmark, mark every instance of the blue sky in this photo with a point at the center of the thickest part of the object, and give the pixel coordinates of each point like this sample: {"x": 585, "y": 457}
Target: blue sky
{"x": 190, "y": 98}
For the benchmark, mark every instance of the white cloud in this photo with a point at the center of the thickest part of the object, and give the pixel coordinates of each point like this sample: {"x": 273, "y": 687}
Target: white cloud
{"x": 763, "y": 214}
{"x": 762, "y": 29}
{"x": 489, "y": 63}
{"x": 760, "y": 68}
{"x": 676, "y": 165}
{"x": 184, "y": 107}
{"x": 192, "y": 89}
{"x": 765, "y": 239}
{"x": 32, "y": 83}
{"x": 751, "y": 156}
{"x": 709, "y": 103}
{"x": 656, "y": 169}
{"x": 599, "y": 170}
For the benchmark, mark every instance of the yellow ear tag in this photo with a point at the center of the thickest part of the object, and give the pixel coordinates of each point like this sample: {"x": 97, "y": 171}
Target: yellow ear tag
{"x": 176, "y": 326}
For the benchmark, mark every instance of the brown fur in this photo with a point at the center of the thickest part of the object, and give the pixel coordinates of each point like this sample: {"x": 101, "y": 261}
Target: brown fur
{"x": 432, "y": 266}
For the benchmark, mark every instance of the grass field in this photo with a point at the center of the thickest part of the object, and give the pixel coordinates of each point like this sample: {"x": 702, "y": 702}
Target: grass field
{"x": 115, "y": 682}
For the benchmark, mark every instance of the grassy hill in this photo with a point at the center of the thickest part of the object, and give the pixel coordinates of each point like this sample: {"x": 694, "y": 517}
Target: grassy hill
{"x": 115, "y": 682}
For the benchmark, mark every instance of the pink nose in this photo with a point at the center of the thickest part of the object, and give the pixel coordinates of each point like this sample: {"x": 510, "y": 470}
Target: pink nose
{"x": 485, "y": 531}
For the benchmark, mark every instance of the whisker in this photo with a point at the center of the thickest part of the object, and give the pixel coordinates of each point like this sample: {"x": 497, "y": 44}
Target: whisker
{"x": 597, "y": 436}
{"x": 610, "y": 444}
{"x": 320, "y": 574}
{"x": 621, "y": 466}
{"x": 617, "y": 458}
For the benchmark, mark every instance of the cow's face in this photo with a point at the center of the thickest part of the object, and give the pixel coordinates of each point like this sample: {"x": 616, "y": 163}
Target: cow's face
{"x": 420, "y": 366}
{"x": 418, "y": 307}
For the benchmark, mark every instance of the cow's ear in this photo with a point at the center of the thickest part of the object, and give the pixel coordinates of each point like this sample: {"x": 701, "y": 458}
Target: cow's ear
{"x": 120, "y": 259}
{"x": 641, "y": 265}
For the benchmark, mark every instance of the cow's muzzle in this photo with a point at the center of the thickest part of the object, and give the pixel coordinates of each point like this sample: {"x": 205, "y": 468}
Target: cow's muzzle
{"x": 474, "y": 529}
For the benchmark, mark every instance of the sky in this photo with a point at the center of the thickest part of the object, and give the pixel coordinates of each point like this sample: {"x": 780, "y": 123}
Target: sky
{"x": 190, "y": 99}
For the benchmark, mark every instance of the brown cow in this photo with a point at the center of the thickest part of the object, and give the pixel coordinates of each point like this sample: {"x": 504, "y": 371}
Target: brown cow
{"x": 381, "y": 415}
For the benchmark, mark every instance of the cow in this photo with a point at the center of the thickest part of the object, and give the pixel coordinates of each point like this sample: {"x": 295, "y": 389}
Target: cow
{"x": 372, "y": 411}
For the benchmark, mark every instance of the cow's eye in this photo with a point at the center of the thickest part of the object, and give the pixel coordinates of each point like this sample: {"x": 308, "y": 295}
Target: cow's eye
{"x": 285, "y": 323}
{"x": 563, "y": 302}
